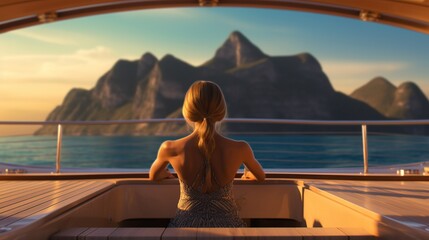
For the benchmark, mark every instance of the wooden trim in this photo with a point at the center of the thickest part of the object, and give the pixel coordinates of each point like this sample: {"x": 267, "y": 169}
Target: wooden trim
{"x": 214, "y": 233}
{"x": 273, "y": 176}
{"x": 400, "y": 14}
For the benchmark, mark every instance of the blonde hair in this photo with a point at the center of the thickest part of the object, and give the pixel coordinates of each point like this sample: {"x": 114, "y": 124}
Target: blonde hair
{"x": 205, "y": 104}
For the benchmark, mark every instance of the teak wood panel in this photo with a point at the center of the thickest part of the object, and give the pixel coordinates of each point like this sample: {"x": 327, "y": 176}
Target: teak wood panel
{"x": 37, "y": 192}
{"x": 46, "y": 197}
{"x": 402, "y": 206}
{"x": 384, "y": 198}
{"x": 60, "y": 203}
{"x": 37, "y": 198}
{"x": 10, "y": 188}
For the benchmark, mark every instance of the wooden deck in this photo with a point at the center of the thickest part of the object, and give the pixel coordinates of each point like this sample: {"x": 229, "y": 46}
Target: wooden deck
{"x": 403, "y": 205}
{"x": 25, "y": 203}
{"x": 376, "y": 206}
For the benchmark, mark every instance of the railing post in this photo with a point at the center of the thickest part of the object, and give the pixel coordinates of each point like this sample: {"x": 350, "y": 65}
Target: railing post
{"x": 59, "y": 143}
{"x": 365, "y": 149}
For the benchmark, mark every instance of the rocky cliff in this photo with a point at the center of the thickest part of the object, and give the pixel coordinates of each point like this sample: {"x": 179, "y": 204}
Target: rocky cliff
{"x": 255, "y": 86}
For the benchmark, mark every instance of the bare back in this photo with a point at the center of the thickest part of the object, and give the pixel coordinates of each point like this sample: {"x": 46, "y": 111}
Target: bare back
{"x": 187, "y": 160}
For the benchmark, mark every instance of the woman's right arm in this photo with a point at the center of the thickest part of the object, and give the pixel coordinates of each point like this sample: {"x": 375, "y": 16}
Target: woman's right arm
{"x": 158, "y": 170}
{"x": 256, "y": 171}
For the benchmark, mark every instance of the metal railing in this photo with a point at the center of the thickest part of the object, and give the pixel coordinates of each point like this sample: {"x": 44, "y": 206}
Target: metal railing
{"x": 362, "y": 123}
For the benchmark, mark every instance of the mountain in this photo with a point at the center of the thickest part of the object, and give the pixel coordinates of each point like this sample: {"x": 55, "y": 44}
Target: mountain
{"x": 404, "y": 102}
{"x": 255, "y": 85}
{"x": 236, "y": 51}
{"x": 409, "y": 103}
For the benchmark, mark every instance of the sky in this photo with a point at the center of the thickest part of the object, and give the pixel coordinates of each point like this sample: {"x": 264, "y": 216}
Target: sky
{"x": 39, "y": 65}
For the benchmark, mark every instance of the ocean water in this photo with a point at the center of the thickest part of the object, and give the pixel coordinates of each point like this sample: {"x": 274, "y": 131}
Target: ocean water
{"x": 273, "y": 151}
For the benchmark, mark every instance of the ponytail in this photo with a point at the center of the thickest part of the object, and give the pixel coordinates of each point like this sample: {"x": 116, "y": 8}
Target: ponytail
{"x": 205, "y": 104}
{"x": 206, "y": 144}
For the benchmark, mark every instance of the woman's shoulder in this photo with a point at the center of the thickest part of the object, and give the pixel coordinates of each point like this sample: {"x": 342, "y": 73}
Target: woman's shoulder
{"x": 170, "y": 147}
{"x": 174, "y": 145}
{"x": 235, "y": 143}
{"x": 168, "y": 144}
{"x": 167, "y": 148}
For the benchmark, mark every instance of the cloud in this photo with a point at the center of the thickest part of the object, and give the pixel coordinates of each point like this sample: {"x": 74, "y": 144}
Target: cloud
{"x": 361, "y": 67}
{"x": 348, "y": 75}
{"x": 32, "y": 85}
{"x": 84, "y": 66}
{"x": 57, "y": 37}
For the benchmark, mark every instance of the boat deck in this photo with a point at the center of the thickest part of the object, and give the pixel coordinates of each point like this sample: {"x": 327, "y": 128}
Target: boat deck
{"x": 33, "y": 203}
{"x": 399, "y": 203}
{"x": 403, "y": 205}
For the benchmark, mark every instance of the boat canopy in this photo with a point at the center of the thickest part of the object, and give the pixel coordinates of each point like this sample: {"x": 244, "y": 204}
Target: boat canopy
{"x": 409, "y": 14}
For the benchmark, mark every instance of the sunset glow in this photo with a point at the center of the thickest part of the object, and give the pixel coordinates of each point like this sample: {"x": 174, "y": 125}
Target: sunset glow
{"x": 39, "y": 65}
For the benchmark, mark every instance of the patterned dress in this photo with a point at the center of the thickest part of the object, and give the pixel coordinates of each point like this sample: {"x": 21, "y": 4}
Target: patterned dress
{"x": 214, "y": 209}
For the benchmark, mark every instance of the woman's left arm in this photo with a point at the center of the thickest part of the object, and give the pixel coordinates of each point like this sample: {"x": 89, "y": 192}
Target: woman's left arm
{"x": 158, "y": 170}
